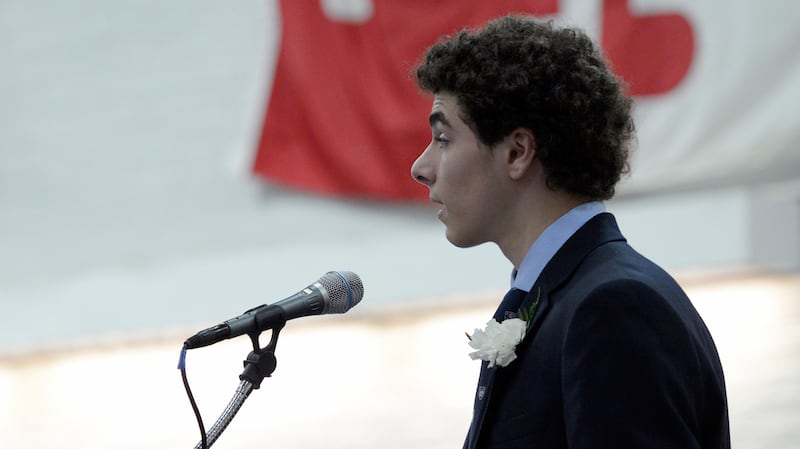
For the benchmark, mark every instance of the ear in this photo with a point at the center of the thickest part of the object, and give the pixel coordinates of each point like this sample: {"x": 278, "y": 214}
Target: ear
{"x": 521, "y": 152}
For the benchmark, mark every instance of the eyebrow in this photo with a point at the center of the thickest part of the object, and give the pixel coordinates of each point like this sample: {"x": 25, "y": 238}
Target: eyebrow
{"x": 438, "y": 117}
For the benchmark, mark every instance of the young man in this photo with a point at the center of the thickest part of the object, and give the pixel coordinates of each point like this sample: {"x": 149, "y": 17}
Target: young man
{"x": 530, "y": 133}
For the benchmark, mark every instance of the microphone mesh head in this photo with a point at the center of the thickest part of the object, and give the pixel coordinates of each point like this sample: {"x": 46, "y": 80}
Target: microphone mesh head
{"x": 344, "y": 288}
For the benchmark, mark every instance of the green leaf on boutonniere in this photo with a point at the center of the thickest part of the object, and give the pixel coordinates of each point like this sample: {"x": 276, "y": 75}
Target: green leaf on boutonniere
{"x": 527, "y": 314}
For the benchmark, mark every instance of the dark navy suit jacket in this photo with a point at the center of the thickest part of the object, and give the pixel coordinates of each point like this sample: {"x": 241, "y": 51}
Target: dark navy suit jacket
{"x": 615, "y": 357}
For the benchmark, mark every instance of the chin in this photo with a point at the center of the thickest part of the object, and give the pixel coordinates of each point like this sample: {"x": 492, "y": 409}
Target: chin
{"x": 462, "y": 241}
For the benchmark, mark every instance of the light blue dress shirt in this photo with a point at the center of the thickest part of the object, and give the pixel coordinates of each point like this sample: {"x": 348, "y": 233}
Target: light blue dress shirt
{"x": 551, "y": 240}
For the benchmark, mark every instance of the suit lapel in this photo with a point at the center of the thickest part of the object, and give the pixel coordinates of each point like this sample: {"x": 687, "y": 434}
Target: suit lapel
{"x": 487, "y": 375}
{"x": 539, "y": 295}
{"x": 599, "y": 230}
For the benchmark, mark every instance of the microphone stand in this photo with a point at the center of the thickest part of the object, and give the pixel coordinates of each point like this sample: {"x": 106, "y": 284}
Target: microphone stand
{"x": 260, "y": 363}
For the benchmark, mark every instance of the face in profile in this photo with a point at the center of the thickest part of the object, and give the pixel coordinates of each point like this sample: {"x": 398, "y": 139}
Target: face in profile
{"x": 464, "y": 176}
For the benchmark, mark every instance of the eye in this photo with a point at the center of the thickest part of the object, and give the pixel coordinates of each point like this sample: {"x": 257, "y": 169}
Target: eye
{"x": 440, "y": 139}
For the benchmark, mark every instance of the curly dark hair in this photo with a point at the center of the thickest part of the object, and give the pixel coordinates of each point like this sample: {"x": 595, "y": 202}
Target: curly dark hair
{"x": 520, "y": 72}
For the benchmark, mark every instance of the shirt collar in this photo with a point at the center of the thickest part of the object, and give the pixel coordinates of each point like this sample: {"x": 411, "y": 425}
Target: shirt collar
{"x": 551, "y": 240}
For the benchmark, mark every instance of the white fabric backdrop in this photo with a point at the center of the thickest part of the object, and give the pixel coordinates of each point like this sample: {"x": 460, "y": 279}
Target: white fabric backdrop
{"x": 126, "y": 130}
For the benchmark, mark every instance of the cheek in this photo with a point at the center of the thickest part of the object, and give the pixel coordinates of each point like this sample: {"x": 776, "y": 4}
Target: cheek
{"x": 465, "y": 178}
{"x": 455, "y": 171}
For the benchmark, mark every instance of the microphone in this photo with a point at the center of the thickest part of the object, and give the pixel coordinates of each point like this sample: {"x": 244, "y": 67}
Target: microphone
{"x": 334, "y": 292}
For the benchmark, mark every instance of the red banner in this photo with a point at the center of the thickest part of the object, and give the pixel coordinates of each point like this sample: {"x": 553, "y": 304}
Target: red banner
{"x": 345, "y": 117}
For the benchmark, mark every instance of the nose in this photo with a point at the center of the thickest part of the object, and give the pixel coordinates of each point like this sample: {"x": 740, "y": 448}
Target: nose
{"x": 423, "y": 169}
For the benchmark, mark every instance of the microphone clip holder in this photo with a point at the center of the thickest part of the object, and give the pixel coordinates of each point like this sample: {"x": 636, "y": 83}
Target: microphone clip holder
{"x": 261, "y": 362}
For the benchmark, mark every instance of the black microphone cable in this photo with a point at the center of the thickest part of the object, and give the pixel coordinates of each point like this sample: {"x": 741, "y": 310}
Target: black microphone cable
{"x": 195, "y": 409}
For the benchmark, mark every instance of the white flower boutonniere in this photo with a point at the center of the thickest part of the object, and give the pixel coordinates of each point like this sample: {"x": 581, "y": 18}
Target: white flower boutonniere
{"x": 496, "y": 344}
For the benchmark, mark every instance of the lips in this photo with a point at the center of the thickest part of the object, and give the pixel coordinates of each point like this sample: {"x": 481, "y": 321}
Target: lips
{"x": 442, "y": 208}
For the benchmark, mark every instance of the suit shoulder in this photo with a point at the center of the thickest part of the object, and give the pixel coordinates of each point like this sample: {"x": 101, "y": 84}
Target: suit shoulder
{"x": 615, "y": 275}
{"x": 618, "y": 265}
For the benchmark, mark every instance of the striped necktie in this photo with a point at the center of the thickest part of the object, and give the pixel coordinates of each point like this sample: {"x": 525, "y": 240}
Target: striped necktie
{"x": 510, "y": 304}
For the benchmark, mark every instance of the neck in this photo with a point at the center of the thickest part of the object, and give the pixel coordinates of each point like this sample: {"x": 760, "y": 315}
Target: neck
{"x": 531, "y": 220}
